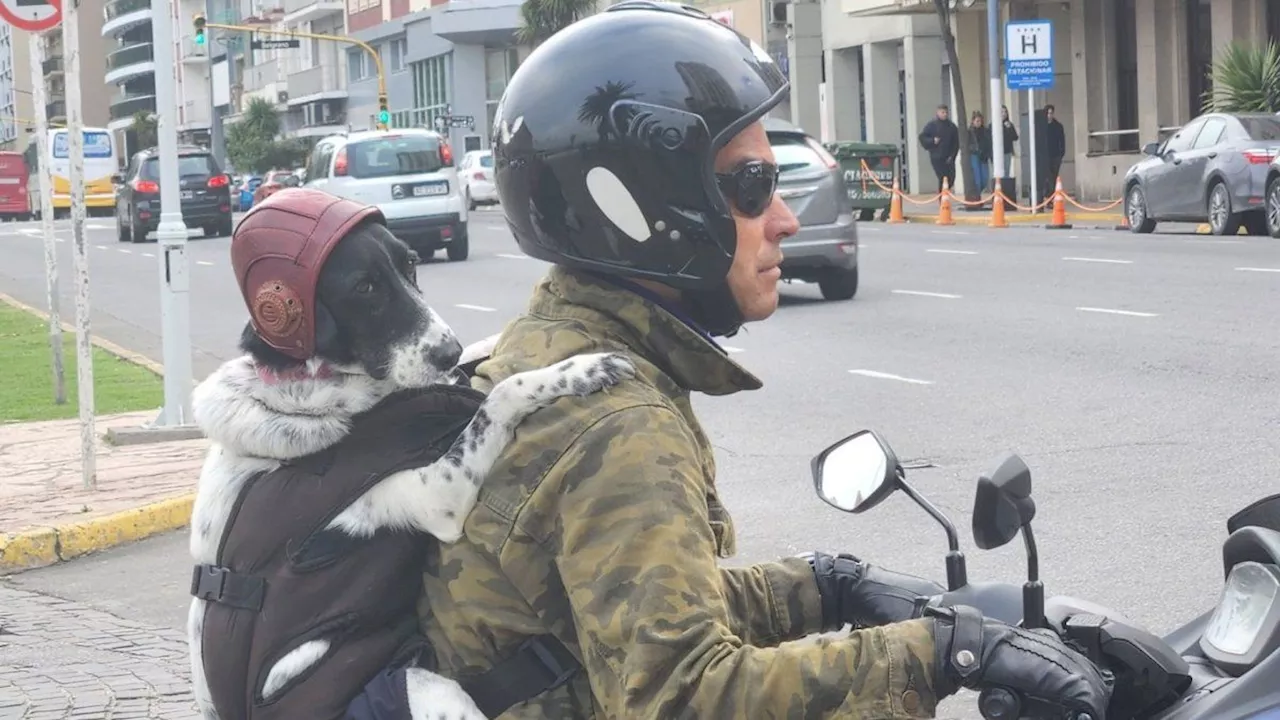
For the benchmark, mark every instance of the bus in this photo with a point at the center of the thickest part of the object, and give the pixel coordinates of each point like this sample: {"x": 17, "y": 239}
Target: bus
{"x": 100, "y": 163}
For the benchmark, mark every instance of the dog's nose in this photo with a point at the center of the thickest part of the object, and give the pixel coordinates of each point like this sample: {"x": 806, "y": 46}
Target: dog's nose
{"x": 445, "y": 355}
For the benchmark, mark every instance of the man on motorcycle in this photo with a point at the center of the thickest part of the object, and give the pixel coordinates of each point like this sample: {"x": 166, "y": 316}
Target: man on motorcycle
{"x": 628, "y": 152}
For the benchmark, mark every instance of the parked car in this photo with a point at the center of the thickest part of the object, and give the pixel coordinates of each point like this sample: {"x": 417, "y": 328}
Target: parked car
{"x": 1272, "y": 204}
{"x": 476, "y": 173}
{"x": 205, "y": 194}
{"x": 273, "y": 182}
{"x": 408, "y": 173}
{"x": 811, "y": 182}
{"x": 1214, "y": 169}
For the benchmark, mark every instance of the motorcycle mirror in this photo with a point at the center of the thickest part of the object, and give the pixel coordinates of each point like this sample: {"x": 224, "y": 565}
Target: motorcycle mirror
{"x": 1003, "y": 503}
{"x": 856, "y": 473}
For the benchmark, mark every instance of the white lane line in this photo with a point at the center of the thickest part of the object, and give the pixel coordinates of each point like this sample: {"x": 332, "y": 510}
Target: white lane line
{"x": 952, "y": 252}
{"x": 950, "y": 232}
{"x": 1099, "y": 260}
{"x": 1254, "y": 269}
{"x": 479, "y": 308}
{"x": 31, "y": 231}
{"x": 1215, "y": 242}
{"x": 126, "y": 251}
{"x": 203, "y": 262}
{"x": 1109, "y": 311}
{"x": 922, "y": 293}
{"x": 513, "y": 256}
{"x": 863, "y": 227}
{"x": 147, "y": 255}
{"x": 888, "y": 376}
{"x": 101, "y": 247}
{"x": 99, "y": 227}
{"x": 730, "y": 349}
{"x": 60, "y": 239}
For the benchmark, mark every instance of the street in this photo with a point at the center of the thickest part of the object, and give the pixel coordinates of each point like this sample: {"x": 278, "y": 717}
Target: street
{"x": 1136, "y": 375}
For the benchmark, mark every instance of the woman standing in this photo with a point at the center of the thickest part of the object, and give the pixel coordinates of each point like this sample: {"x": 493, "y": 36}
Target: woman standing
{"x": 1010, "y": 141}
{"x": 980, "y": 150}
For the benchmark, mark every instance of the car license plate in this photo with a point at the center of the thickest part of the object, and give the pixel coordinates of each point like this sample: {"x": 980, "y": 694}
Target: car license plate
{"x": 422, "y": 190}
{"x": 187, "y": 194}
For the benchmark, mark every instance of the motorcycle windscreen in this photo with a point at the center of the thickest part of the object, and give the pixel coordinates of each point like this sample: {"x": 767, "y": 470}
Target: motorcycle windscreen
{"x": 1264, "y": 513}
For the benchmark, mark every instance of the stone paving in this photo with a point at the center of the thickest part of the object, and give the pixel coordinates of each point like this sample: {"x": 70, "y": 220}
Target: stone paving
{"x": 35, "y": 454}
{"x": 62, "y": 659}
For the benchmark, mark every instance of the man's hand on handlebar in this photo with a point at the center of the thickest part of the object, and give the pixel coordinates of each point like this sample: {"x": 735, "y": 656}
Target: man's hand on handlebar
{"x": 1048, "y": 677}
{"x": 863, "y": 595}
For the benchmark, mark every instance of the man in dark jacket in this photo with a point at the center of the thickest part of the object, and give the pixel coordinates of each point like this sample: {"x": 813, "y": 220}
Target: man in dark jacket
{"x": 1055, "y": 148}
{"x": 646, "y": 177}
{"x": 941, "y": 138}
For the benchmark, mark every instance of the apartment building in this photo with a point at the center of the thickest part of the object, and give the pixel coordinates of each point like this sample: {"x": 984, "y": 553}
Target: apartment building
{"x": 15, "y": 89}
{"x": 1127, "y": 72}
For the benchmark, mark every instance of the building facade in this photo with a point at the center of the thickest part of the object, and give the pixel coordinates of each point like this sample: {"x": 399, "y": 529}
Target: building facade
{"x": 15, "y": 89}
{"x": 1127, "y": 72}
{"x": 95, "y": 97}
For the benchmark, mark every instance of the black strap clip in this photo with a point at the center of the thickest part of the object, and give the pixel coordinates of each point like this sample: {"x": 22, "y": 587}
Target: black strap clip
{"x": 220, "y": 585}
{"x": 540, "y": 664}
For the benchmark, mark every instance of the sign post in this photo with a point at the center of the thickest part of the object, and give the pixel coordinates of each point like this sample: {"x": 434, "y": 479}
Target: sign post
{"x": 1029, "y": 66}
{"x": 45, "y": 188}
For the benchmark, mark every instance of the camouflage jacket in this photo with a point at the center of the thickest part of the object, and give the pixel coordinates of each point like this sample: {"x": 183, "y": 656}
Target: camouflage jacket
{"x": 601, "y": 525}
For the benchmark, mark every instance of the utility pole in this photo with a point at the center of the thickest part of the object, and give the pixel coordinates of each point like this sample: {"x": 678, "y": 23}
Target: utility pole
{"x": 994, "y": 40}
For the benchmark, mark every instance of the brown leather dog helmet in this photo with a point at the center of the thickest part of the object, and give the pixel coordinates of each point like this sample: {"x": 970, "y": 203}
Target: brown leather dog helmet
{"x": 277, "y": 253}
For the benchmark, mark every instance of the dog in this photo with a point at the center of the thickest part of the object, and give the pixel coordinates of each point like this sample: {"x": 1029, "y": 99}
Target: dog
{"x": 375, "y": 335}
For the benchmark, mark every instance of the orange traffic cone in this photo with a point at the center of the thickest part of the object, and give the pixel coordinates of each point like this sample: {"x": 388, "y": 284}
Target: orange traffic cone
{"x": 1059, "y": 221}
{"x": 997, "y": 211}
{"x": 895, "y": 204}
{"x": 944, "y": 206}
{"x": 1124, "y": 218}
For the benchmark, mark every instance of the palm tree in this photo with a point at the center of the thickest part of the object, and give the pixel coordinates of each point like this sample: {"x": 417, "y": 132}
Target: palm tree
{"x": 540, "y": 19}
{"x": 960, "y": 117}
{"x": 1246, "y": 78}
{"x": 146, "y": 128}
{"x": 251, "y": 142}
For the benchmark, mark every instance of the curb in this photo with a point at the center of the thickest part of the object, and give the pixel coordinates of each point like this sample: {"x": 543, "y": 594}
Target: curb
{"x": 46, "y": 546}
{"x": 120, "y": 352}
{"x": 1042, "y": 220}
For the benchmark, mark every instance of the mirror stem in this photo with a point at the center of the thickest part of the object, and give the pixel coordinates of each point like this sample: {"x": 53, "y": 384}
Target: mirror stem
{"x": 1033, "y": 590}
{"x": 957, "y": 575}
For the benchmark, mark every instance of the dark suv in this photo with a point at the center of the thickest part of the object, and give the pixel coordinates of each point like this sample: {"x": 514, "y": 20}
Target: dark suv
{"x": 205, "y": 194}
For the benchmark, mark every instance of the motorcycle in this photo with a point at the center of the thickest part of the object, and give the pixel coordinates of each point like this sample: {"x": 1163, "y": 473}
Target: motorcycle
{"x": 1221, "y": 665}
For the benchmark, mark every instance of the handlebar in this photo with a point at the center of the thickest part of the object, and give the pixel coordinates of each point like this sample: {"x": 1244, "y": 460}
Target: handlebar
{"x": 1003, "y": 704}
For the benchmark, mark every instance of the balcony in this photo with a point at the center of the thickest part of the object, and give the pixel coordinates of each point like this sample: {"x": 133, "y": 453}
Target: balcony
{"x": 491, "y": 23}
{"x": 56, "y": 108}
{"x": 323, "y": 82}
{"x": 302, "y": 11}
{"x": 193, "y": 53}
{"x": 52, "y": 66}
{"x": 130, "y": 61}
{"x": 124, "y": 107}
{"x": 194, "y": 115}
{"x": 871, "y": 8}
{"x": 120, "y": 15}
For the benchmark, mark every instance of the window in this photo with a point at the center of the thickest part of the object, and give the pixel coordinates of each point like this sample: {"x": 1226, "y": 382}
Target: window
{"x": 394, "y": 155}
{"x": 1212, "y": 132}
{"x": 399, "y": 50}
{"x": 318, "y": 165}
{"x": 188, "y": 166}
{"x": 1126, "y": 74}
{"x": 432, "y": 80}
{"x": 793, "y": 153}
{"x": 1199, "y": 53}
{"x": 1181, "y": 140}
{"x": 357, "y": 66}
{"x": 499, "y": 65}
{"x": 1262, "y": 128}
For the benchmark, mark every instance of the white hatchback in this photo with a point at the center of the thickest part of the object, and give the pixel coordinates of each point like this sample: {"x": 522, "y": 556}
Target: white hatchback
{"x": 409, "y": 174}
{"x": 476, "y": 172}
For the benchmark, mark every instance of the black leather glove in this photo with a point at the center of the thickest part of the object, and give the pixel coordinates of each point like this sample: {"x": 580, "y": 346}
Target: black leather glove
{"x": 1052, "y": 680}
{"x": 865, "y": 595}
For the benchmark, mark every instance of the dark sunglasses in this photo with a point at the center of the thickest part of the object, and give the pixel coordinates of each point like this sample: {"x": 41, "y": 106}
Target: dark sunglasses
{"x": 750, "y": 187}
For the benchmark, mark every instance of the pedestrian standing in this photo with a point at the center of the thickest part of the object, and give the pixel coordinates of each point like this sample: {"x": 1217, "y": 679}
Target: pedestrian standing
{"x": 980, "y": 150}
{"x": 941, "y": 138}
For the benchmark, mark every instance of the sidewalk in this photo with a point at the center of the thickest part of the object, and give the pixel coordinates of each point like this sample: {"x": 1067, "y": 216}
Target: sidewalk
{"x": 928, "y": 213}
{"x": 142, "y": 490}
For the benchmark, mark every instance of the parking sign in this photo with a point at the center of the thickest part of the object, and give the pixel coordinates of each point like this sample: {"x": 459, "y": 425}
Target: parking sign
{"x": 1029, "y": 55}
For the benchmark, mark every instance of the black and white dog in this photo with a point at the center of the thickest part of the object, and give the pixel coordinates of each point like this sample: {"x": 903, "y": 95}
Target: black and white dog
{"x": 375, "y": 335}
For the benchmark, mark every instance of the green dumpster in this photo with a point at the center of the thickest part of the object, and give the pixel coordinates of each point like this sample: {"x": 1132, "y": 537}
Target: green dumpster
{"x": 881, "y": 166}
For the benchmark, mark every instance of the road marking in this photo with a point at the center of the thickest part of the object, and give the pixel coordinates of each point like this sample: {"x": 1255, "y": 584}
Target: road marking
{"x": 99, "y": 227}
{"x": 147, "y": 255}
{"x": 888, "y": 376}
{"x": 126, "y": 251}
{"x": 31, "y": 231}
{"x": 922, "y": 293}
{"x": 1099, "y": 260}
{"x": 950, "y": 232}
{"x": 479, "y": 308}
{"x": 1253, "y": 269}
{"x": 1215, "y": 242}
{"x": 101, "y": 247}
{"x": 514, "y": 256}
{"x": 730, "y": 349}
{"x": 203, "y": 262}
{"x": 952, "y": 252}
{"x": 1108, "y": 311}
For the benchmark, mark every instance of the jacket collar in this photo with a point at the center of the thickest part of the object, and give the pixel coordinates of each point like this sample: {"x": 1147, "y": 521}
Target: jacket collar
{"x": 643, "y": 322}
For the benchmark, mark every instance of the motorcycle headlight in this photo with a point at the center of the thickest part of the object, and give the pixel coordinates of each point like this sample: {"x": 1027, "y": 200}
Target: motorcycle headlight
{"x": 1251, "y": 592}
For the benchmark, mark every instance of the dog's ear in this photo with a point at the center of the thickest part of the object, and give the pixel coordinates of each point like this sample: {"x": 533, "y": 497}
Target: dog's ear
{"x": 328, "y": 344}
{"x": 261, "y": 352}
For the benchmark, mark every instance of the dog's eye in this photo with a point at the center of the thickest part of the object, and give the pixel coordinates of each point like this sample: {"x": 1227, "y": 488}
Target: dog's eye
{"x": 365, "y": 287}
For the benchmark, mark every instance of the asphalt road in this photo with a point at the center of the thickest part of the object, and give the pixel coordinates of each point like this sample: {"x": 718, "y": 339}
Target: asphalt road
{"x": 1136, "y": 376}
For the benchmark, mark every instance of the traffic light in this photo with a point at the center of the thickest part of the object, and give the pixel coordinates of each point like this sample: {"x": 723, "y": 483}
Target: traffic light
{"x": 384, "y": 115}
{"x": 199, "y": 21}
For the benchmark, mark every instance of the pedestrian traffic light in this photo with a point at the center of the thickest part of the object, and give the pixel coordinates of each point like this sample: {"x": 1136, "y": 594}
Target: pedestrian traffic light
{"x": 199, "y": 21}
{"x": 384, "y": 115}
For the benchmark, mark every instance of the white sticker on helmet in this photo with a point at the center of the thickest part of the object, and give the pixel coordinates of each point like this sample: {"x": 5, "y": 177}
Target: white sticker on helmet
{"x": 617, "y": 203}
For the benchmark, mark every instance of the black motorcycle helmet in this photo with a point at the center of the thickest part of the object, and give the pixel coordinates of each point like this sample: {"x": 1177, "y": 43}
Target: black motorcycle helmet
{"x": 604, "y": 146}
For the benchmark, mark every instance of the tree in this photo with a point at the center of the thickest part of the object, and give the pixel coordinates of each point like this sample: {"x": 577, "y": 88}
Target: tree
{"x": 961, "y": 115}
{"x": 540, "y": 19}
{"x": 146, "y": 128}
{"x": 1246, "y": 78}
{"x": 252, "y": 142}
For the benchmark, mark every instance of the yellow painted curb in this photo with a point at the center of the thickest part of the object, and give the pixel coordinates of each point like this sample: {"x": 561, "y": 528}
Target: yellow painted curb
{"x": 1019, "y": 219}
{"x": 114, "y": 349}
{"x": 47, "y": 546}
